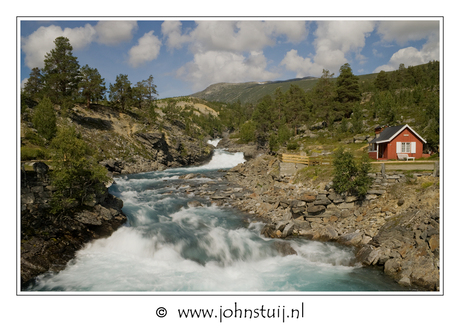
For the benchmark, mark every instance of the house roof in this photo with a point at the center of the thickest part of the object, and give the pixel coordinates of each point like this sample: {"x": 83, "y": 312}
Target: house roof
{"x": 391, "y": 132}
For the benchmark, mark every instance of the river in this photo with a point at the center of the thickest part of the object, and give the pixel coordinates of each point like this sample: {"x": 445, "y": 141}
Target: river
{"x": 168, "y": 245}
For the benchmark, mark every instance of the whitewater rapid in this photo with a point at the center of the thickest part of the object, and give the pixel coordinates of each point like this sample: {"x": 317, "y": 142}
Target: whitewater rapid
{"x": 170, "y": 246}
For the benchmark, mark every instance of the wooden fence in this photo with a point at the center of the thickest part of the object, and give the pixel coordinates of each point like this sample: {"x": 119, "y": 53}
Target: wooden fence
{"x": 388, "y": 165}
{"x": 306, "y": 160}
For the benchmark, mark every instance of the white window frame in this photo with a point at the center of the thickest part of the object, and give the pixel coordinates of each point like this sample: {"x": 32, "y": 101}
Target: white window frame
{"x": 405, "y": 147}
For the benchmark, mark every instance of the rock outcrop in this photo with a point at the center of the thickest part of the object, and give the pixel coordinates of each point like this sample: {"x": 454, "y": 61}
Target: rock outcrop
{"x": 181, "y": 152}
{"x": 49, "y": 241}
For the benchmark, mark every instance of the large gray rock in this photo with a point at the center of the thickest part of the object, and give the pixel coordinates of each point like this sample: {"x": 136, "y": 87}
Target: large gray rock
{"x": 316, "y": 209}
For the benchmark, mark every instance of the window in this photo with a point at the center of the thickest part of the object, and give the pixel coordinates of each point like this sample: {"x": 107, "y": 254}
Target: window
{"x": 405, "y": 147}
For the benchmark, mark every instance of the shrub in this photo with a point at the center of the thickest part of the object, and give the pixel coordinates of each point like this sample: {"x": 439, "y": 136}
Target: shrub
{"x": 76, "y": 176}
{"x": 247, "y": 132}
{"x": 351, "y": 176}
{"x": 44, "y": 119}
{"x": 292, "y": 146}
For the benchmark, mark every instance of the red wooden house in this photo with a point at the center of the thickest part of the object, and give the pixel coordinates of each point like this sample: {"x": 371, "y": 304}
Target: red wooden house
{"x": 389, "y": 142}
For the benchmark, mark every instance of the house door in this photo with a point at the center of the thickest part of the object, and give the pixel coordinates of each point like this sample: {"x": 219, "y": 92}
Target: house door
{"x": 382, "y": 150}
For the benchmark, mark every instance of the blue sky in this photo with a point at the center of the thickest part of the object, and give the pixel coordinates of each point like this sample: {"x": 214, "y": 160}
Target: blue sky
{"x": 186, "y": 56}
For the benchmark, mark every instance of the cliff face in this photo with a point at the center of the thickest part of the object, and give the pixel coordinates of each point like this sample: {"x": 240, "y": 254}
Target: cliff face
{"x": 48, "y": 241}
{"x": 129, "y": 143}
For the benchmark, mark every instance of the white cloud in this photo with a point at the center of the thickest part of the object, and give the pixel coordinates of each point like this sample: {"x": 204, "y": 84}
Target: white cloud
{"x": 295, "y": 31}
{"x": 114, "y": 32}
{"x": 302, "y": 66}
{"x": 23, "y": 82}
{"x": 233, "y": 35}
{"x": 225, "y": 66}
{"x": 40, "y": 42}
{"x": 404, "y": 31}
{"x": 147, "y": 49}
{"x": 172, "y": 32}
{"x": 229, "y": 51}
{"x": 334, "y": 41}
{"x": 409, "y": 56}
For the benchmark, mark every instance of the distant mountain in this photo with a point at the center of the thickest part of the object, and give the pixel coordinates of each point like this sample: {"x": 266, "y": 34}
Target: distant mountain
{"x": 250, "y": 92}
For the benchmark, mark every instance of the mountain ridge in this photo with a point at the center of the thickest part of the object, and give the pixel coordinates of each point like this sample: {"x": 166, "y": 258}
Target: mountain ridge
{"x": 250, "y": 92}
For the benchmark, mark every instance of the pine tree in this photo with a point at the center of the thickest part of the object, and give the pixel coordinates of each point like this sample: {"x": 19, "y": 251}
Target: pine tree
{"x": 348, "y": 90}
{"x": 92, "y": 85}
{"x": 151, "y": 90}
{"x": 34, "y": 85}
{"x": 296, "y": 107}
{"x": 61, "y": 72}
{"x": 381, "y": 82}
{"x": 323, "y": 97}
{"x": 263, "y": 115}
{"x": 120, "y": 92}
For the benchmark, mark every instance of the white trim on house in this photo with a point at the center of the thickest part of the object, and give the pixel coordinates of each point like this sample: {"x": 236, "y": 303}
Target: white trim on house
{"x": 398, "y": 132}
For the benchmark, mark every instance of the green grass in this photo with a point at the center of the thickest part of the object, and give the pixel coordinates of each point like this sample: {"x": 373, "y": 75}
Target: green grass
{"x": 33, "y": 153}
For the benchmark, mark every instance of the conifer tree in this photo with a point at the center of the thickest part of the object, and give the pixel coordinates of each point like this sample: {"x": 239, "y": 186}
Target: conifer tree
{"x": 121, "y": 92}
{"x": 151, "y": 91}
{"x": 323, "y": 96}
{"x": 34, "y": 85}
{"x": 61, "y": 72}
{"x": 348, "y": 90}
{"x": 92, "y": 85}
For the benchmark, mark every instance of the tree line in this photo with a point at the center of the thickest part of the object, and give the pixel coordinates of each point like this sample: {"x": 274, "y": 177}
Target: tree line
{"x": 64, "y": 82}
{"x": 337, "y": 104}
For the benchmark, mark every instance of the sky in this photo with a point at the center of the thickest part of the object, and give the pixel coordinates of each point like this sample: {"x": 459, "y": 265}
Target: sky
{"x": 186, "y": 56}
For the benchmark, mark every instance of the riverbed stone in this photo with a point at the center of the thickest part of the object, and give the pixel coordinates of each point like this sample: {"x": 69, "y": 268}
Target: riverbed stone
{"x": 316, "y": 209}
{"x": 288, "y": 229}
{"x": 194, "y": 203}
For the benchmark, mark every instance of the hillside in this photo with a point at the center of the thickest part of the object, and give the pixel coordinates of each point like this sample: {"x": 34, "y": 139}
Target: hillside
{"x": 250, "y": 92}
{"x": 131, "y": 141}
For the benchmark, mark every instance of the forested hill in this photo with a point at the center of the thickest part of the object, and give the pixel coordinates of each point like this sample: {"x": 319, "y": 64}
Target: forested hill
{"x": 250, "y": 92}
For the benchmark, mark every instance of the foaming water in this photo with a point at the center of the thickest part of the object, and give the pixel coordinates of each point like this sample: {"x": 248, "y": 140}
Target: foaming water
{"x": 168, "y": 245}
{"x": 214, "y": 142}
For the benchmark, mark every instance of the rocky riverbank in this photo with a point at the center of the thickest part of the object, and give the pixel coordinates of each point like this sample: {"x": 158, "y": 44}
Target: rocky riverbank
{"x": 395, "y": 227}
{"x": 48, "y": 241}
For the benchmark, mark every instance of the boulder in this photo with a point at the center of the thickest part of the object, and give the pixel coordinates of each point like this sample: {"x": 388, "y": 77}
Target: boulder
{"x": 90, "y": 218}
{"x": 316, "y": 209}
{"x": 353, "y": 238}
{"x": 284, "y": 248}
{"x": 288, "y": 229}
{"x": 318, "y": 126}
{"x": 308, "y": 198}
{"x": 40, "y": 168}
{"x": 336, "y": 198}
{"x": 194, "y": 203}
